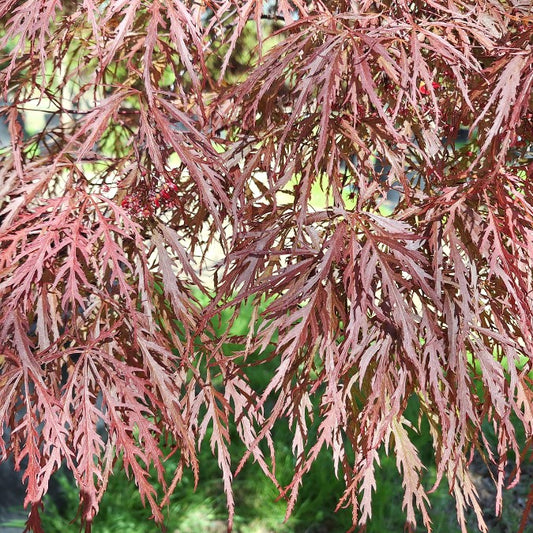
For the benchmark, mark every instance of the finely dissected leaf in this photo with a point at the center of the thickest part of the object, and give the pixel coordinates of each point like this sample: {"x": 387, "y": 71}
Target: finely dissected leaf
{"x": 410, "y": 466}
{"x": 358, "y": 174}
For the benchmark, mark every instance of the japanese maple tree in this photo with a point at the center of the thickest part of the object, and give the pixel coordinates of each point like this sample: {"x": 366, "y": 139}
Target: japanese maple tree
{"x": 174, "y": 171}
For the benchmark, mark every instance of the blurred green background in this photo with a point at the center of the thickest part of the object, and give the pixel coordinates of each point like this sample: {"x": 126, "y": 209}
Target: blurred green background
{"x": 257, "y": 508}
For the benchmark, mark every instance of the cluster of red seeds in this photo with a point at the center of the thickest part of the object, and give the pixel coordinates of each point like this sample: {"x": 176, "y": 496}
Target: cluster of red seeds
{"x": 143, "y": 203}
{"x": 137, "y": 205}
{"x": 424, "y": 89}
{"x": 165, "y": 197}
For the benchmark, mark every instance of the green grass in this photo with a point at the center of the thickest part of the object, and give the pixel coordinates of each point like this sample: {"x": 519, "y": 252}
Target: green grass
{"x": 257, "y": 510}
{"x": 256, "y": 507}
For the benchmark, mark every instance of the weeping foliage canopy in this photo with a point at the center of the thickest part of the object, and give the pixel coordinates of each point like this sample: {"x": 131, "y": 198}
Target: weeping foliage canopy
{"x": 171, "y": 160}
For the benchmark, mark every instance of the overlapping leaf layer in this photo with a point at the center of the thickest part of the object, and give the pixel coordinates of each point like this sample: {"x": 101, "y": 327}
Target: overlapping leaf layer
{"x": 360, "y": 172}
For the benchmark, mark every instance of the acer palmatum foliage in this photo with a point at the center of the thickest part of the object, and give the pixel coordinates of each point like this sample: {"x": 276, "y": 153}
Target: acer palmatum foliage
{"x": 316, "y": 175}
